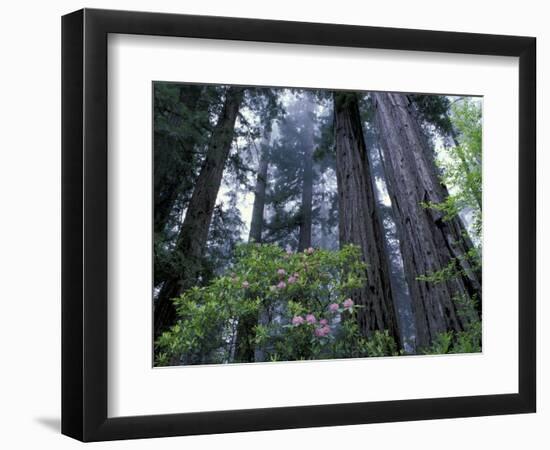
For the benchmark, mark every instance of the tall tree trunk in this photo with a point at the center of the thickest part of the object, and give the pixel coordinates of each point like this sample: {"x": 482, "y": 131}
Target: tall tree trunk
{"x": 168, "y": 183}
{"x": 307, "y": 200}
{"x": 400, "y": 291}
{"x": 428, "y": 242}
{"x": 306, "y": 212}
{"x": 191, "y": 242}
{"x": 256, "y": 224}
{"x": 359, "y": 221}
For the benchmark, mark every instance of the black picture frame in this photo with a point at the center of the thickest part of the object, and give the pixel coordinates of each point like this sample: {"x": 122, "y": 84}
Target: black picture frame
{"x": 84, "y": 224}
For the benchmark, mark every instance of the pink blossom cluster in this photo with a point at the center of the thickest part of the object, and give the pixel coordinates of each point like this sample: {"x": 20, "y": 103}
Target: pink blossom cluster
{"x": 322, "y": 330}
{"x": 297, "y": 320}
{"x": 293, "y": 278}
{"x": 282, "y": 284}
{"x": 347, "y": 304}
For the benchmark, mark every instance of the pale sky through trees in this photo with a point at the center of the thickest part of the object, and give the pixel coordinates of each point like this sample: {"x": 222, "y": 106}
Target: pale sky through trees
{"x": 246, "y": 197}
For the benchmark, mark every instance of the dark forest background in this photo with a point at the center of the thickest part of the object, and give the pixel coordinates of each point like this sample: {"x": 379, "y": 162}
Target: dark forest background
{"x": 298, "y": 224}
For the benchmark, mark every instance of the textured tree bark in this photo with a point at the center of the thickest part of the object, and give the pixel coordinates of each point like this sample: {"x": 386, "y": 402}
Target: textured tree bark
{"x": 256, "y": 224}
{"x": 193, "y": 234}
{"x": 400, "y": 291}
{"x": 359, "y": 221}
{"x": 428, "y": 243}
{"x": 168, "y": 185}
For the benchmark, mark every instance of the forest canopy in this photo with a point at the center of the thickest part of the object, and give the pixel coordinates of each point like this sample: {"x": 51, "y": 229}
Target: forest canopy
{"x": 299, "y": 224}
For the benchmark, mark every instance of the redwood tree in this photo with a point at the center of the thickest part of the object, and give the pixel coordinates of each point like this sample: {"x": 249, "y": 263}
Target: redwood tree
{"x": 436, "y": 250}
{"x": 256, "y": 223}
{"x": 359, "y": 221}
{"x": 308, "y": 141}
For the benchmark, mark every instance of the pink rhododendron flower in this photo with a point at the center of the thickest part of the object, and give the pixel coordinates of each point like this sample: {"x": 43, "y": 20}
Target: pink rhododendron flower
{"x": 281, "y": 285}
{"x": 281, "y": 272}
{"x": 322, "y": 331}
{"x": 296, "y": 275}
{"x": 297, "y": 320}
{"x": 310, "y": 318}
{"x": 323, "y": 322}
{"x": 310, "y": 250}
{"x": 246, "y": 284}
{"x": 292, "y": 280}
{"x": 348, "y": 303}
{"x": 333, "y": 307}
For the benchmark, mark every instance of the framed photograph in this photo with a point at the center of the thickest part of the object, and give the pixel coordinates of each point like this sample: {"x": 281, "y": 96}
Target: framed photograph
{"x": 273, "y": 224}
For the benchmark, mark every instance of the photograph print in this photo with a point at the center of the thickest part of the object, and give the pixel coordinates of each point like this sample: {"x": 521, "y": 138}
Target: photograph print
{"x": 294, "y": 224}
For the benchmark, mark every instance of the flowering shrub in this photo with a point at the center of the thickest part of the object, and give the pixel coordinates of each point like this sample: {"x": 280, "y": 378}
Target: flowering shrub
{"x": 300, "y": 303}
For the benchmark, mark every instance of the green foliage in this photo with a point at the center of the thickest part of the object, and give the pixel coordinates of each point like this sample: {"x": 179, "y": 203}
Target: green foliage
{"x": 448, "y": 272}
{"x": 381, "y": 344}
{"x": 295, "y": 290}
{"x": 449, "y": 208}
{"x": 467, "y": 307}
{"x": 460, "y": 165}
{"x": 433, "y": 109}
{"x": 441, "y": 344}
{"x": 184, "y": 117}
{"x": 262, "y": 284}
{"x": 455, "y": 268}
{"x": 467, "y": 341}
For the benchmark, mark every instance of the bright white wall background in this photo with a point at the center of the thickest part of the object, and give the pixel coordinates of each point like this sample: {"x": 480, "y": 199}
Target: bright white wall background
{"x": 30, "y": 236}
